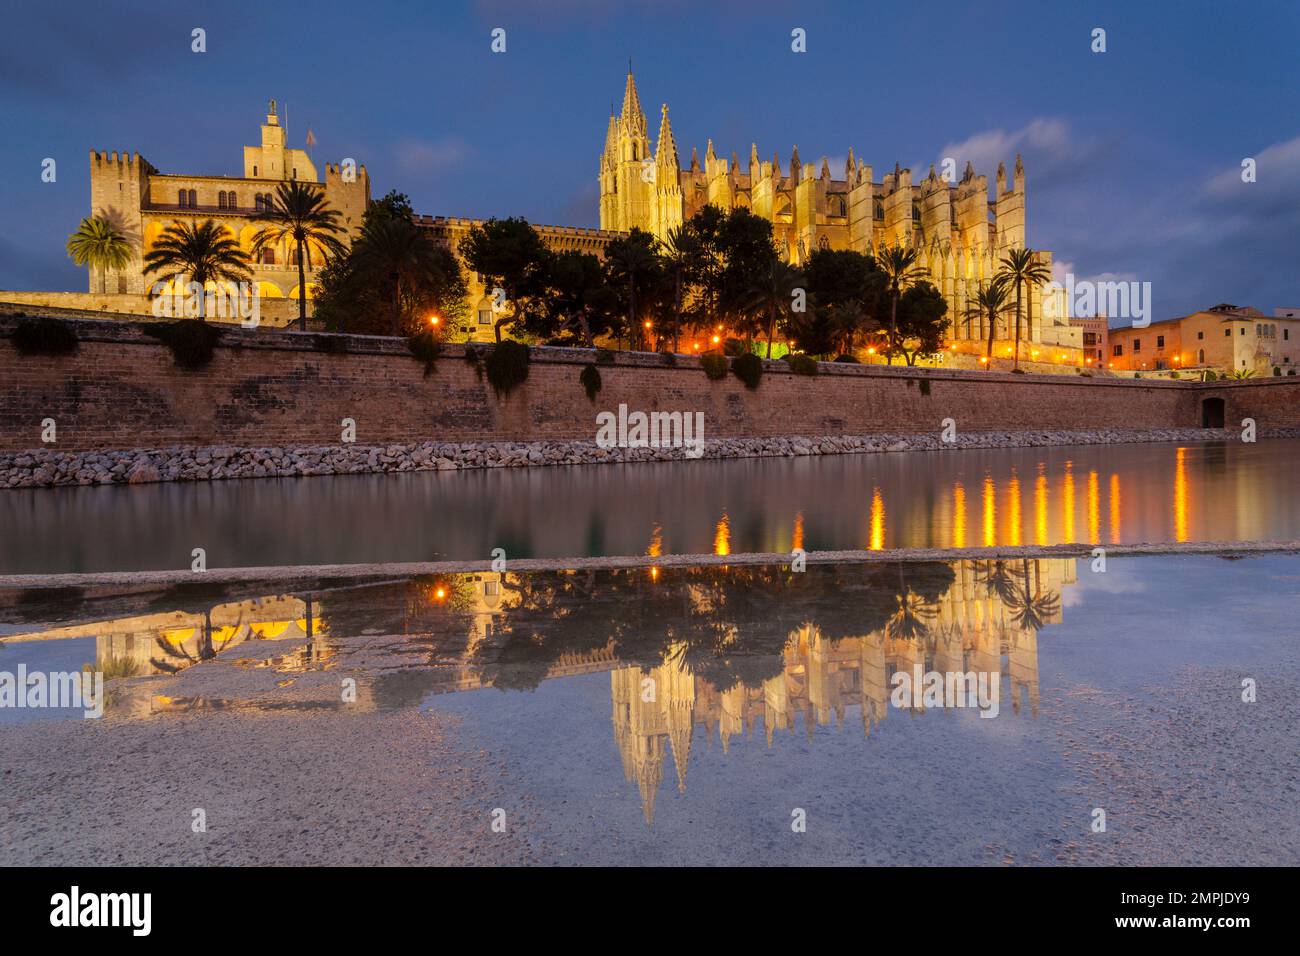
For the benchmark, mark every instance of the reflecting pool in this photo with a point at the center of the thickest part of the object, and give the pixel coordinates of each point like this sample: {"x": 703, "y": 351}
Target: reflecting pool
{"x": 1134, "y": 493}
{"x": 690, "y": 715}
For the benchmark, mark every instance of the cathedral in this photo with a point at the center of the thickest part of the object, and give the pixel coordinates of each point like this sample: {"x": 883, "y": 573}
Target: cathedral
{"x": 959, "y": 233}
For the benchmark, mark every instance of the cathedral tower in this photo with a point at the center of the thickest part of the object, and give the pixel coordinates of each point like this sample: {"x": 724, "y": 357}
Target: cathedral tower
{"x": 628, "y": 195}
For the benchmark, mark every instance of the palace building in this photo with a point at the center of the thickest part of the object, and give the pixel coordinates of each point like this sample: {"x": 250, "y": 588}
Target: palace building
{"x": 959, "y": 233}
{"x": 130, "y": 192}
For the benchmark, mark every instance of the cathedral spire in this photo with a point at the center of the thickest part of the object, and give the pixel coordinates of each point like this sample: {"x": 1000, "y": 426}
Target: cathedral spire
{"x": 665, "y": 145}
{"x": 611, "y": 137}
{"x": 795, "y": 165}
{"x": 695, "y": 159}
{"x": 632, "y": 103}
{"x": 753, "y": 159}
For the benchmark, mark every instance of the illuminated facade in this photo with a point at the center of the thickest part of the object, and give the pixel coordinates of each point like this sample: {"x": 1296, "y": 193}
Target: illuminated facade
{"x": 1225, "y": 338}
{"x": 127, "y": 190}
{"x": 959, "y": 234}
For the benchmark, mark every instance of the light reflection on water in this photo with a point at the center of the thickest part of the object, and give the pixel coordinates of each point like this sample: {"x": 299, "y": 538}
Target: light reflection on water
{"x": 1215, "y": 491}
{"x": 713, "y": 693}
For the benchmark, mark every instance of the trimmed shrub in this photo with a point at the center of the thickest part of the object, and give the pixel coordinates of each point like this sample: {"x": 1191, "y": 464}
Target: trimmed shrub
{"x": 331, "y": 344}
{"x": 192, "y": 341}
{"x": 425, "y": 347}
{"x": 715, "y": 366}
{"x": 589, "y": 379}
{"x": 604, "y": 357}
{"x": 507, "y": 367}
{"x": 748, "y": 368}
{"x": 801, "y": 364}
{"x": 1210, "y": 376}
{"x": 45, "y": 336}
{"x": 847, "y": 359}
{"x": 472, "y": 357}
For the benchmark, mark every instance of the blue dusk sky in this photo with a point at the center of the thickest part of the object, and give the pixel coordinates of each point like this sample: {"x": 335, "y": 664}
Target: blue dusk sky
{"x": 1133, "y": 156}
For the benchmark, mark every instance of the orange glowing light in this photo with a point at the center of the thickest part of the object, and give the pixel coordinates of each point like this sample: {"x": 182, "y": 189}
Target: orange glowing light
{"x": 984, "y": 360}
{"x": 434, "y": 319}
{"x": 716, "y": 340}
{"x": 647, "y": 323}
{"x": 696, "y": 346}
{"x": 440, "y": 593}
{"x": 871, "y": 351}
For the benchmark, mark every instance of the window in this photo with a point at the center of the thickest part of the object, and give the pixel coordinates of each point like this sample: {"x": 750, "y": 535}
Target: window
{"x": 1117, "y": 350}
{"x": 268, "y": 257}
{"x": 823, "y": 243}
{"x": 1243, "y": 330}
{"x": 1286, "y": 334}
{"x": 1200, "y": 357}
{"x": 1160, "y": 341}
{"x": 221, "y": 200}
{"x": 194, "y": 198}
{"x": 484, "y": 316}
{"x": 491, "y": 588}
{"x": 1137, "y": 345}
{"x": 1227, "y": 331}
{"x": 1200, "y": 335}
{"x": 254, "y": 170}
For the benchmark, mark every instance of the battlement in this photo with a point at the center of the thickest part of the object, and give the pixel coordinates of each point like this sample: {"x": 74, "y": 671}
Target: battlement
{"x": 133, "y": 161}
{"x": 463, "y": 223}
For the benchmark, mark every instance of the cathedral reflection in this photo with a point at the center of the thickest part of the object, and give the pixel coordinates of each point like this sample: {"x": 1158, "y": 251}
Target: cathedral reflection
{"x": 696, "y": 655}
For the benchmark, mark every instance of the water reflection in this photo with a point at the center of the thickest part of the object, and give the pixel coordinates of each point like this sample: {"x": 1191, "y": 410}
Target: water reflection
{"x": 1131, "y": 493}
{"x": 696, "y": 656}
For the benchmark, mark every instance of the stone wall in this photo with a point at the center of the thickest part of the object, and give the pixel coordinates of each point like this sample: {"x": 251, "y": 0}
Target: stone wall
{"x": 275, "y": 313}
{"x": 269, "y": 388}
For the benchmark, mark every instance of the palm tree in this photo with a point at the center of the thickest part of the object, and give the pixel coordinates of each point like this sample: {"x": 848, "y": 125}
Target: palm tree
{"x": 300, "y": 214}
{"x": 204, "y": 251}
{"x": 990, "y": 303}
{"x": 1031, "y": 608}
{"x": 395, "y": 248}
{"x": 772, "y": 294}
{"x": 632, "y": 261}
{"x": 911, "y": 619}
{"x": 1021, "y": 267}
{"x": 681, "y": 250}
{"x": 99, "y": 244}
{"x": 900, "y": 269}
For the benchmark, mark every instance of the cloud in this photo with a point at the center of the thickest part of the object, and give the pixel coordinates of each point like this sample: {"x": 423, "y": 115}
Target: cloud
{"x": 1047, "y": 137}
{"x": 1277, "y": 176}
{"x": 422, "y": 157}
